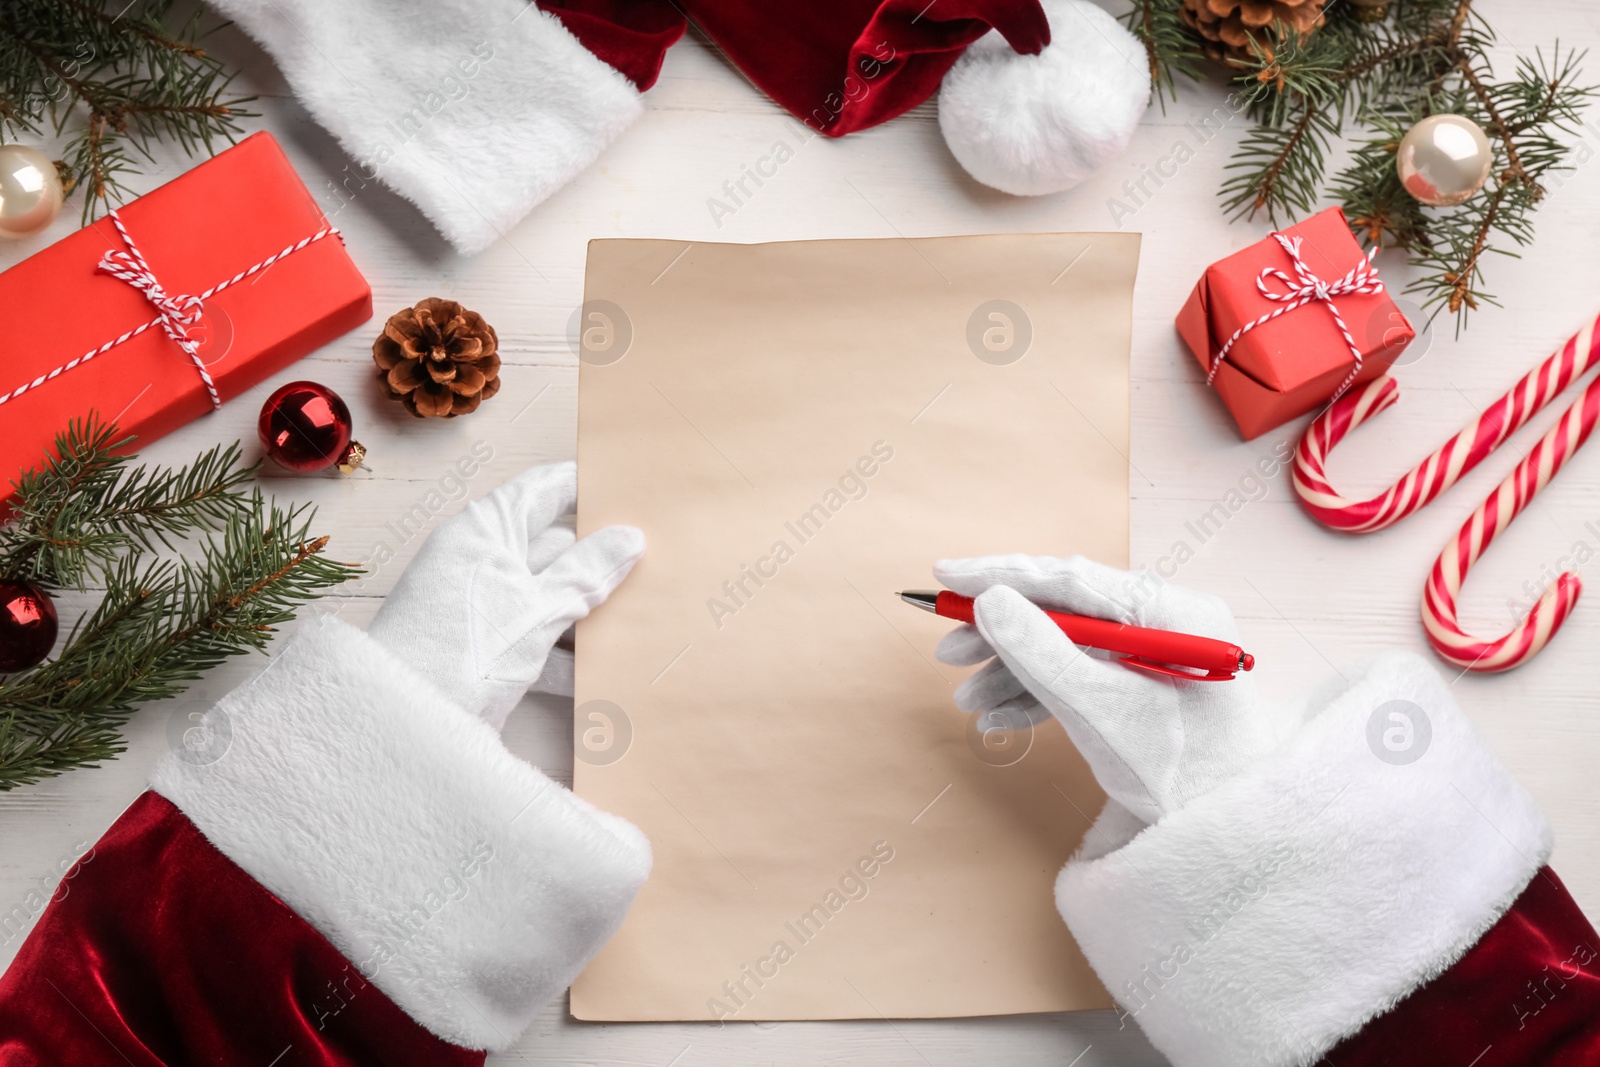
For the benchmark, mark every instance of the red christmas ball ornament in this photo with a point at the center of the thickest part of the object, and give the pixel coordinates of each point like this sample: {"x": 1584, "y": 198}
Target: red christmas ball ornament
{"x": 27, "y": 625}
{"x": 306, "y": 427}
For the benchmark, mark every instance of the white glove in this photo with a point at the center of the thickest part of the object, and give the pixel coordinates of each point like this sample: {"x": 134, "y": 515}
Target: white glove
{"x": 480, "y": 608}
{"x": 1153, "y": 742}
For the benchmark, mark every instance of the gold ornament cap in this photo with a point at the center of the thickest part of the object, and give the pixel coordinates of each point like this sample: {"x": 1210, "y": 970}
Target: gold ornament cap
{"x": 1444, "y": 160}
{"x": 352, "y": 457}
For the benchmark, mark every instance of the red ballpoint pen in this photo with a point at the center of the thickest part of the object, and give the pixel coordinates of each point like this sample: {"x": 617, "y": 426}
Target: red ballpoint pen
{"x": 1159, "y": 651}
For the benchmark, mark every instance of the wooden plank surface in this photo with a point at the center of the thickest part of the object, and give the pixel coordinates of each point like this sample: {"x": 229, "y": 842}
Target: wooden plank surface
{"x": 1307, "y": 599}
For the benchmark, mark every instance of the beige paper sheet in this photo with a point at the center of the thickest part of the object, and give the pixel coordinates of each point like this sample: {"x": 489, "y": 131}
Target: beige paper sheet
{"x": 833, "y": 839}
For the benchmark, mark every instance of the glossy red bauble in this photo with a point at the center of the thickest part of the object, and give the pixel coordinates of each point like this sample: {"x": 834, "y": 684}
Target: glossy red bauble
{"x": 306, "y": 427}
{"x": 27, "y": 625}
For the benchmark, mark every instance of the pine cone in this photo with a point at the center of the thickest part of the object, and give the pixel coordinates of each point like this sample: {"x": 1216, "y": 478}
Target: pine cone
{"x": 438, "y": 358}
{"x": 1228, "y": 26}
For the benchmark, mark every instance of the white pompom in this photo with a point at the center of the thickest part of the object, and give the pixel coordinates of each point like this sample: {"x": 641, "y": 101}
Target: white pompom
{"x": 1031, "y": 125}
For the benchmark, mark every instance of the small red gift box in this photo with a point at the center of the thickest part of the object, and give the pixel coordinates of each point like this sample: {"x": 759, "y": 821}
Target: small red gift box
{"x": 191, "y": 240}
{"x": 1282, "y": 325}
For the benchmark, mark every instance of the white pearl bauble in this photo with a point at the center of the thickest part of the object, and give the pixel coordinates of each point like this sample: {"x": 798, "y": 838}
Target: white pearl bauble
{"x": 1444, "y": 160}
{"x": 30, "y": 191}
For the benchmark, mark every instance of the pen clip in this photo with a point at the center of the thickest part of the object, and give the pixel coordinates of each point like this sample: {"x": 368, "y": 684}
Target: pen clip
{"x": 1175, "y": 672}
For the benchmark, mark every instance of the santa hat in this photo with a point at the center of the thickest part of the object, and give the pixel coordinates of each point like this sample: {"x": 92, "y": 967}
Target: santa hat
{"x": 478, "y": 110}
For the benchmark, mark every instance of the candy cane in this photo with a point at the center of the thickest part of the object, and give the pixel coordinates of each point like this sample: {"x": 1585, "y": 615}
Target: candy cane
{"x": 1494, "y": 515}
{"x": 1445, "y": 467}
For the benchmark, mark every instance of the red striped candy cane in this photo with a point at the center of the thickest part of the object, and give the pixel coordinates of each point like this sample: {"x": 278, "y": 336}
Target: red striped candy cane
{"x": 1445, "y": 467}
{"x": 1494, "y": 515}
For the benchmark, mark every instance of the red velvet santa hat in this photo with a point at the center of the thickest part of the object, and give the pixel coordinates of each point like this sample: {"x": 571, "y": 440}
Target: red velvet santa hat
{"x": 1035, "y": 95}
{"x": 500, "y": 103}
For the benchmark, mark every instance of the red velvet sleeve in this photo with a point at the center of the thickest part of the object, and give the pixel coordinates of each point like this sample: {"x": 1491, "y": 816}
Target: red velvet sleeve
{"x": 1527, "y": 993}
{"x": 158, "y": 950}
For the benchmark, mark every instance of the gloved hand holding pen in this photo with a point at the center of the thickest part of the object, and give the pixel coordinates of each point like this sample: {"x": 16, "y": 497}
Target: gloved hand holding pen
{"x": 1153, "y": 743}
{"x": 1348, "y": 877}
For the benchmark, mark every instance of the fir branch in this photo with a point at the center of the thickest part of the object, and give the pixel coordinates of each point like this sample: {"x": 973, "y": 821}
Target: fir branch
{"x": 1462, "y": 279}
{"x": 121, "y": 77}
{"x": 1169, "y": 46}
{"x": 86, "y": 507}
{"x": 1533, "y": 114}
{"x": 146, "y": 27}
{"x": 1297, "y": 100}
{"x": 1274, "y": 164}
{"x": 1373, "y": 82}
{"x": 1514, "y": 170}
{"x": 28, "y": 756}
{"x": 1381, "y": 212}
{"x": 1144, "y": 11}
{"x": 162, "y": 622}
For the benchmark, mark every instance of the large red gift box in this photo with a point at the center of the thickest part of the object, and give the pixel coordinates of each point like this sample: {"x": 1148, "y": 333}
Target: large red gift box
{"x": 230, "y": 213}
{"x": 1294, "y": 363}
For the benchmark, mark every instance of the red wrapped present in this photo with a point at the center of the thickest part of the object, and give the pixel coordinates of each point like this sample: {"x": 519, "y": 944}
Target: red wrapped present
{"x": 1287, "y": 324}
{"x": 180, "y": 300}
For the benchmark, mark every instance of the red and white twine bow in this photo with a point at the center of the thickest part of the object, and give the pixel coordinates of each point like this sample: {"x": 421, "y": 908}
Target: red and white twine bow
{"x": 1301, "y": 290}
{"x": 175, "y": 314}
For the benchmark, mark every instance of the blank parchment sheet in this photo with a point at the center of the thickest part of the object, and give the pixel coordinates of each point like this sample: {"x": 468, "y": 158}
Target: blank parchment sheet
{"x": 801, "y": 429}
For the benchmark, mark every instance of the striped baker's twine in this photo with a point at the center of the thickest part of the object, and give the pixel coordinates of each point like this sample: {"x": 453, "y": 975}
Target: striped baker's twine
{"x": 1302, "y": 290}
{"x": 176, "y": 313}
{"x": 1451, "y": 462}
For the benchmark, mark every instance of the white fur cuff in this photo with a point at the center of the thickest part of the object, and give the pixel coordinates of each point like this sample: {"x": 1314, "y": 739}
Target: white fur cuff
{"x": 1274, "y": 916}
{"x": 460, "y": 881}
{"x": 474, "y": 110}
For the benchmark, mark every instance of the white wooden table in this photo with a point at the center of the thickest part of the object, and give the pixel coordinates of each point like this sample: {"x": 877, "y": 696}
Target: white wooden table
{"x": 1307, "y": 599}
